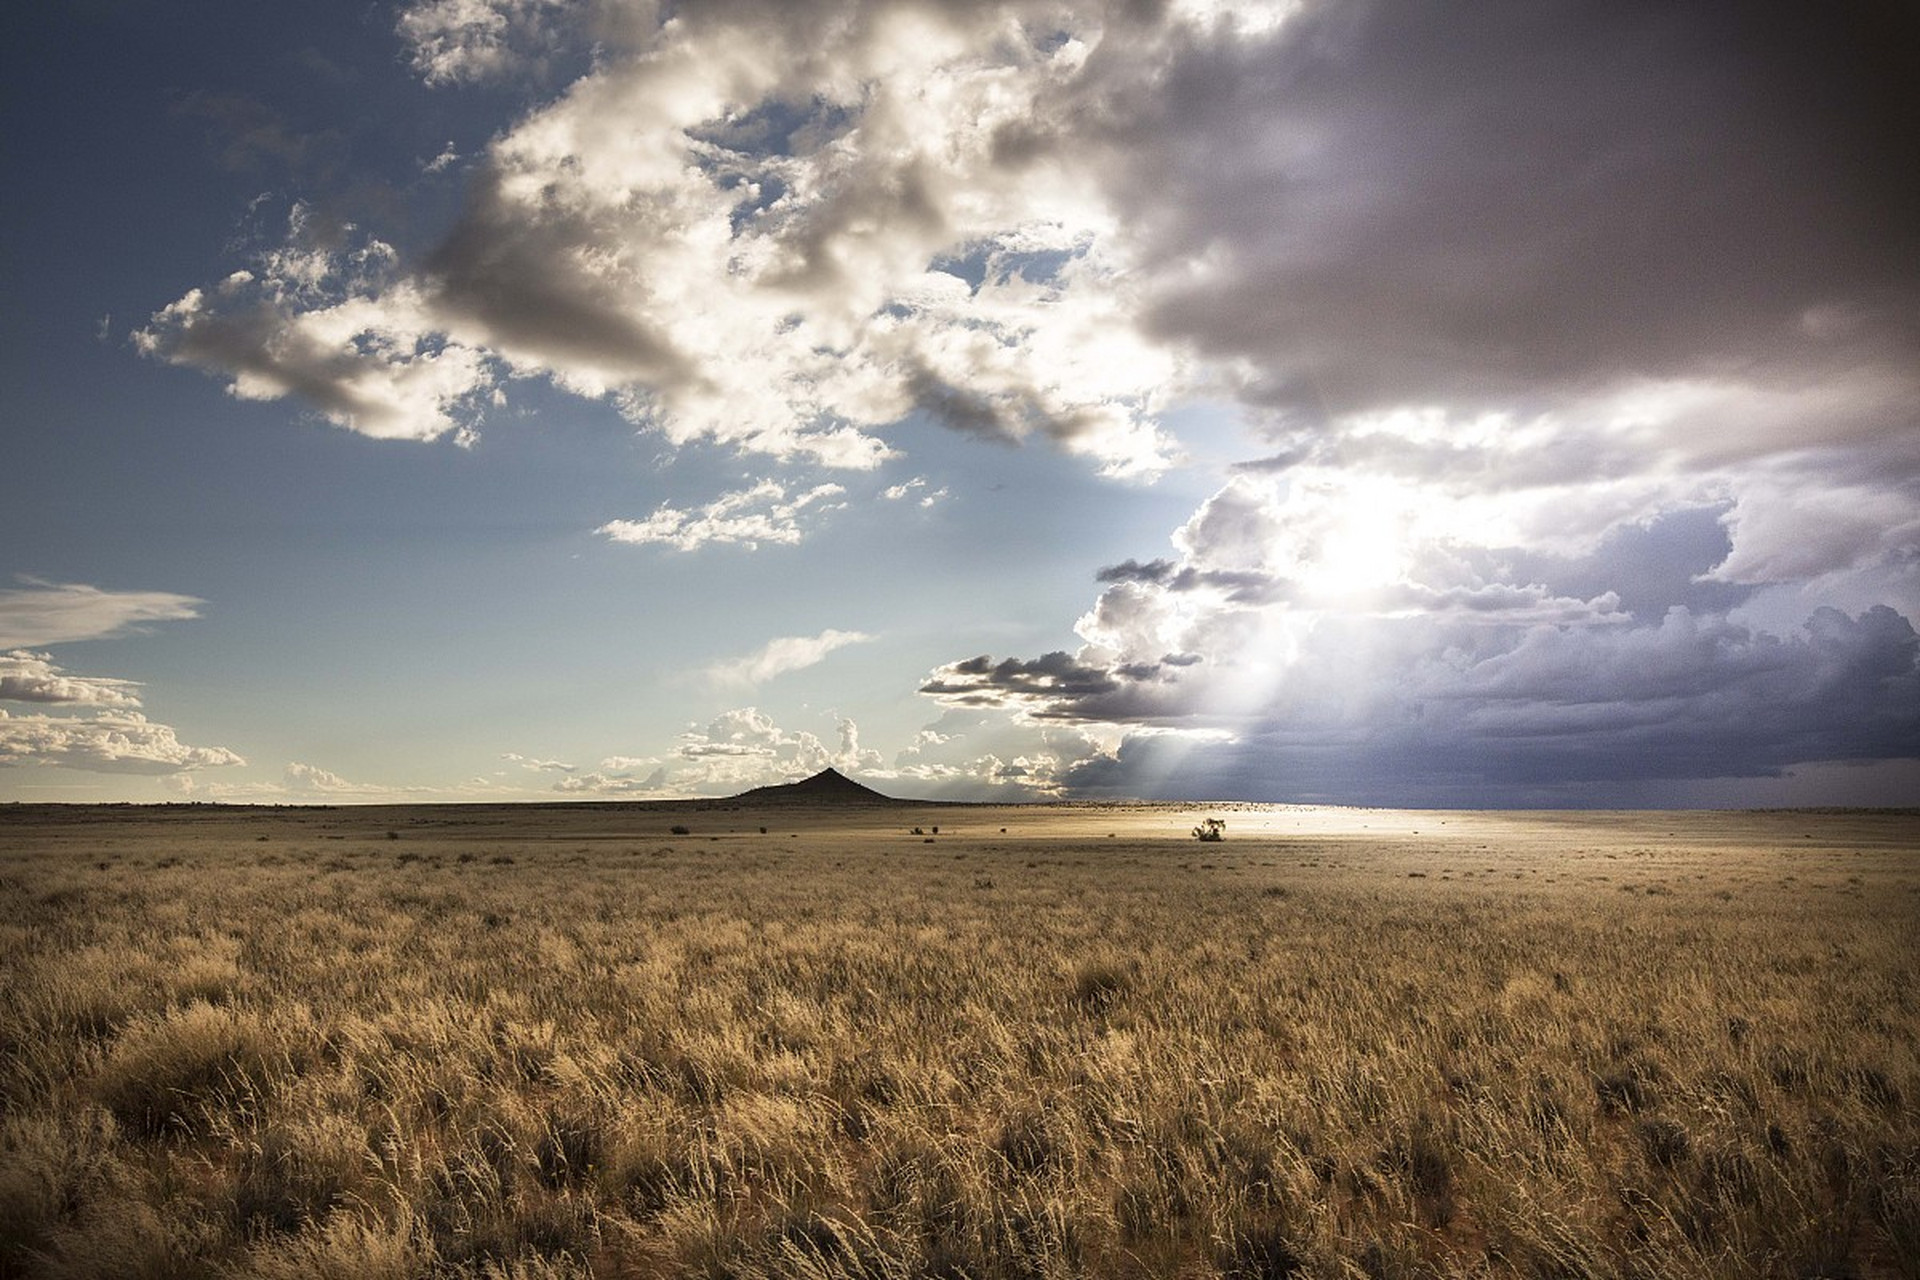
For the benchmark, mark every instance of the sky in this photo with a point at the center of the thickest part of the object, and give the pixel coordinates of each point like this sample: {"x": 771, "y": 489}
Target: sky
{"x": 1332, "y": 401}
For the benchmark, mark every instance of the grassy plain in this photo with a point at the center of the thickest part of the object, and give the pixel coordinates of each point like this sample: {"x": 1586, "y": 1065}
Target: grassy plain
{"x": 1043, "y": 1042}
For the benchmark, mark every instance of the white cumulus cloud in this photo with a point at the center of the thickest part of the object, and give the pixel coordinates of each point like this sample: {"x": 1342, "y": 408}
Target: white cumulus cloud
{"x": 109, "y": 742}
{"x": 463, "y": 41}
{"x": 33, "y": 677}
{"x": 763, "y": 513}
{"x": 536, "y": 765}
{"x": 338, "y": 328}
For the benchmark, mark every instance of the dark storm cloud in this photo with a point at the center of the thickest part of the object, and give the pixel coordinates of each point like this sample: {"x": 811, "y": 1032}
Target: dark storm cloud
{"x": 1558, "y": 718}
{"x": 1403, "y": 202}
{"x": 963, "y": 409}
{"x": 1157, "y": 571}
{"x": 1651, "y": 567}
{"x": 1052, "y": 684}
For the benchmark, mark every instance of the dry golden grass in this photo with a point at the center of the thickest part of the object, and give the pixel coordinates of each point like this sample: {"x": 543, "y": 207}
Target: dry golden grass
{"x": 565, "y": 1042}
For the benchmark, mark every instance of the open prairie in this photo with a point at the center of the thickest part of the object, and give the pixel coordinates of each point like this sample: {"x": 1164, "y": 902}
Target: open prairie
{"x": 1022, "y": 1042}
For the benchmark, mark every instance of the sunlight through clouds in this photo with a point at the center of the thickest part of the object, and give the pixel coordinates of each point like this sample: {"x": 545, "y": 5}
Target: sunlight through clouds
{"x": 1329, "y": 398}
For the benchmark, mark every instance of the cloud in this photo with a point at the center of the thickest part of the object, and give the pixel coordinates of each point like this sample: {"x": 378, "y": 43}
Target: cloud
{"x": 537, "y": 766}
{"x": 1022, "y": 220}
{"x": 814, "y": 221}
{"x": 736, "y": 750}
{"x": 307, "y": 778}
{"x": 781, "y": 655}
{"x": 1784, "y": 530}
{"x": 32, "y": 677}
{"x": 252, "y": 137}
{"x": 915, "y": 488}
{"x": 619, "y": 775}
{"x": 46, "y": 613}
{"x": 763, "y": 513}
{"x": 1416, "y": 200}
{"x": 1047, "y": 683}
{"x": 302, "y": 783}
{"x": 467, "y": 41}
{"x": 595, "y": 782}
{"x": 1581, "y": 340}
{"x": 109, "y": 742}
{"x": 784, "y": 254}
{"x": 1607, "y": 717}
{"x": 1311, "y": 641}
{"x": 117, "y": 738}
{"x": 337, "y": 328}
{"x": 968, "y": 755}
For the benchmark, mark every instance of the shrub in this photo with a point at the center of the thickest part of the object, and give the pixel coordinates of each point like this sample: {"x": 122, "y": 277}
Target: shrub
{"x": 1099, "y": 984}
{"x": 295, "y": 1175}
{"x": 1261, "y": 1253}
{"x": 1211, "y": 830}
{"x": 345, "y": 1248}
{"x": 1666, "y": 1142}
{"x": 167, "y": 1073}
{"x": 1028, "y": 1147}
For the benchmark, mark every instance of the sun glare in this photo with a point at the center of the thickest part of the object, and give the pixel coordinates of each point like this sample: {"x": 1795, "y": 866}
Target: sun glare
{"x": 1360, "y": 556}
{"x": 1357, "y": 542}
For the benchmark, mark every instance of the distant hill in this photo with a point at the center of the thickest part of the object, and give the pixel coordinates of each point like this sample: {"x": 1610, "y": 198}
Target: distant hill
{"x": 829, "y": 786}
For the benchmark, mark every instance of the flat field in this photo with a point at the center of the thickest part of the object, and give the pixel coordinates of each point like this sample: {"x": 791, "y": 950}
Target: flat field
{"x": 545, "y": 1041}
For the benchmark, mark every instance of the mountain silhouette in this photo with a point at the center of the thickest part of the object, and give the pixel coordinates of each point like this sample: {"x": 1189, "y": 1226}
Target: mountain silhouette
{"x": 829, "y": 786}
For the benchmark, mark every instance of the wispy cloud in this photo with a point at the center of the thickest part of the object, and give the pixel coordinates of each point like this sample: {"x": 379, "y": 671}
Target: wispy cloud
{"x": 44, "y": 613}
{"x": 534, "y": 765}
{"x": 781, "y": 655}
{"x": 916, "y": 489}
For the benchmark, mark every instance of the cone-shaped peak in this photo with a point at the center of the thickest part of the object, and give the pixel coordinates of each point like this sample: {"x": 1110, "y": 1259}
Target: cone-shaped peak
{"x": 827, "y": 786}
